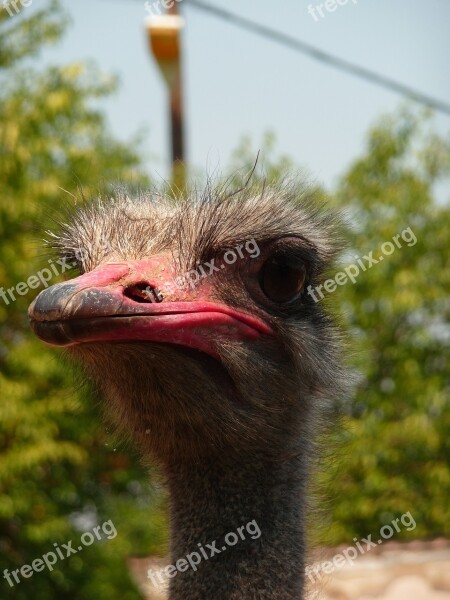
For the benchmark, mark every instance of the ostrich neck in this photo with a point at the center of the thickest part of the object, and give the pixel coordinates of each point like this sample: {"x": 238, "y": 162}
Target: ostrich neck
{"x": 260, "y": 504}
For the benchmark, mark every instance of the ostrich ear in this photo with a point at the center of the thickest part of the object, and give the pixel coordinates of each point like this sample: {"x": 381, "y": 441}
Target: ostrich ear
{"x": 110, "y": 304}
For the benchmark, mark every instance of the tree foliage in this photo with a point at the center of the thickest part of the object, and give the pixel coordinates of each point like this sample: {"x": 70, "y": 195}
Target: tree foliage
{"x": 396, "y": 429}
{"x": 56, "y": 461}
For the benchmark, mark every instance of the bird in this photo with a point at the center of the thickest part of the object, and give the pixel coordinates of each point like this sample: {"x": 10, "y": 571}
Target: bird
{"x": 192, "y": 320}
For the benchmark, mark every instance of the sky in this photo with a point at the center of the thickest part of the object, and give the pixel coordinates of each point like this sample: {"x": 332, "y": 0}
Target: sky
{"x": 237, "y": 83}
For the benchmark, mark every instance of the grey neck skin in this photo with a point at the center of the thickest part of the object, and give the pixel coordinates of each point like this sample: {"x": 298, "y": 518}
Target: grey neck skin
{"x": 209, "y": 501}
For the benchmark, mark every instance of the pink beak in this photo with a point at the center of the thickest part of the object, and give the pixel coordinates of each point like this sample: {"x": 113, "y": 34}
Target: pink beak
{"x": 125, "y": 302}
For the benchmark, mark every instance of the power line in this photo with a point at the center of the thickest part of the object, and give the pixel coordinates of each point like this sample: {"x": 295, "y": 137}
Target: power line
{"x": 316, "y": 53}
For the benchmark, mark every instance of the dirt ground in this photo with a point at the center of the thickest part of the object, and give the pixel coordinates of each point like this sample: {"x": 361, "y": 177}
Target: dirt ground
{"x": 393, "y": 571}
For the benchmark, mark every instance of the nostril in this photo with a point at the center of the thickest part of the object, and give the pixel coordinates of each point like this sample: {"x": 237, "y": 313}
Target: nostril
{"x": 143, "y": 292}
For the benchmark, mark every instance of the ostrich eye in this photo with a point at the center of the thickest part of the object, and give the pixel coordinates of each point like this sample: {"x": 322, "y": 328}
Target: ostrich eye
{"x": 282, "y": 278}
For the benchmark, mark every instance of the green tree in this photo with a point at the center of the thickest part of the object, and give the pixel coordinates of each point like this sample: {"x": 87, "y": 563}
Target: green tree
{"x": 55, "y": 461}
{"x": 396, "y": 430}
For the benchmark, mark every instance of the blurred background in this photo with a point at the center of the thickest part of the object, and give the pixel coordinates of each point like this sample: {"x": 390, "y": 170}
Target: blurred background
{"x": 355, "y": 96}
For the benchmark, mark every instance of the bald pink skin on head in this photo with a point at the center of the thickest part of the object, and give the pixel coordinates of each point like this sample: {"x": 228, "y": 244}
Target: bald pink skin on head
{"x": 156, "y": 272}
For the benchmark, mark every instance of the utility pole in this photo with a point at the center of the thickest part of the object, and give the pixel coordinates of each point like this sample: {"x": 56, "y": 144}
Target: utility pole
{"x": 164, "y": 36}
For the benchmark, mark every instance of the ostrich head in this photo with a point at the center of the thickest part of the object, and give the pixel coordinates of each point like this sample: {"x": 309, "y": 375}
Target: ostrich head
{"x": 194, "y": 322}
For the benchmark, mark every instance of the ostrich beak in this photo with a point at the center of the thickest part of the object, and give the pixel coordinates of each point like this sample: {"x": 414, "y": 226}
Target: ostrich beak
{"x": 130, "y": 302}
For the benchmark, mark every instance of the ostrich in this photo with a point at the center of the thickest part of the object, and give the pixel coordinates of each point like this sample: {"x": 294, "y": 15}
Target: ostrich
{"x": 218, "y": 378}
